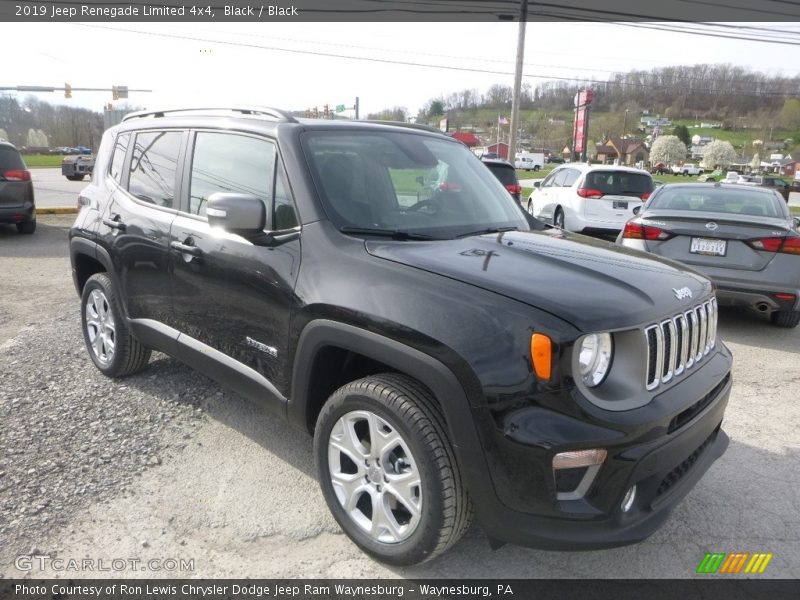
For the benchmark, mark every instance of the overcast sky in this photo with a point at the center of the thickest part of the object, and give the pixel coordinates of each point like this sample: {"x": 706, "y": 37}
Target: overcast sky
{"x": 250, "y": 68}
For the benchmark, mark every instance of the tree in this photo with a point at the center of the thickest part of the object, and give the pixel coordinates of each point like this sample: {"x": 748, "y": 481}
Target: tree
{"x": 719, "y": 154}
{"x": 667, "y": 149}
{"x": 682, "y": 133}
{"x": 396, "y": 113}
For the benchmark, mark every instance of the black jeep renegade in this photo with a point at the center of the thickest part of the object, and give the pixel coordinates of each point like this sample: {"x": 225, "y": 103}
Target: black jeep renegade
{"x": 376, "y": 286}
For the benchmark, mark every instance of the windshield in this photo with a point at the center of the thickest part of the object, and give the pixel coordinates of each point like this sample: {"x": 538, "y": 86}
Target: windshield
{"x": 718, "y": 200}
{"x": 406, "y": 182}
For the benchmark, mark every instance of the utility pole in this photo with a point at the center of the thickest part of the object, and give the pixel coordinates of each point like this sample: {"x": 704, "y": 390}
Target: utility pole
{"x": 512, "y": 141}
{"x": 356, "y": 107}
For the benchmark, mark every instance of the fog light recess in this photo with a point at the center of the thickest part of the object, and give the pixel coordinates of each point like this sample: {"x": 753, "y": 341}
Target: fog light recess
{"x": 576, "y": 470}
{"x": 627, "y": 501}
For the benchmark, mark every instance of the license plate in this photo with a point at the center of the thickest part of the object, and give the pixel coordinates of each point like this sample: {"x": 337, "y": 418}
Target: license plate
{"x": 619, "y": 204}
{"x": 708, "y": 247}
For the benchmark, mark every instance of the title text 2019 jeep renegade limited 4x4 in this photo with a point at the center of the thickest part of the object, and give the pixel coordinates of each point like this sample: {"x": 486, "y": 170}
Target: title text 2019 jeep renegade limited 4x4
{"x": 452, "y": 356}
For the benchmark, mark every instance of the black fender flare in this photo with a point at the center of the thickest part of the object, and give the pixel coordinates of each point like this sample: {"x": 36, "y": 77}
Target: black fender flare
{"x": 427, "y": 370}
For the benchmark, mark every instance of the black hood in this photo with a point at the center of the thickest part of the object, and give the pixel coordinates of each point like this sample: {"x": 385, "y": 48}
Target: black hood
{"x": 592, "y": 284}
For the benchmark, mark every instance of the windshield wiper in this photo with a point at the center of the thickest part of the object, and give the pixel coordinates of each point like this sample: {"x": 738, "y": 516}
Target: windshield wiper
{"x": 488, "y": 230}
{"x": 395, "y": 234}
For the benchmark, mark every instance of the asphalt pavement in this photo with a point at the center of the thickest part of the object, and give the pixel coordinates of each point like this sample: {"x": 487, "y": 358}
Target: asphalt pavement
{"x": 52, "y": 190}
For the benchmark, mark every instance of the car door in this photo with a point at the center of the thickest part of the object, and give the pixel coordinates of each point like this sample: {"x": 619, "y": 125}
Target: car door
{"x": 234, "y": 299}
{"x": 544, "y": 197}
{"x": 135, "y": 226}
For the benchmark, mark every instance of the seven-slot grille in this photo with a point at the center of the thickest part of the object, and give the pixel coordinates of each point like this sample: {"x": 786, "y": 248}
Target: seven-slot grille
{"x": 677, "y": 344}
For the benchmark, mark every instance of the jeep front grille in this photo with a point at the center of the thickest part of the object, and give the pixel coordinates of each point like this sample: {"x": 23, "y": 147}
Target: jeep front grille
{"x": 677, "y": 344}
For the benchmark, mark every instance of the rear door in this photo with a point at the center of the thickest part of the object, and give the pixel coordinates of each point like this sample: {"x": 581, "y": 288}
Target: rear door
{"x": 612, "y": 195}
{"x": 135, "y": 226}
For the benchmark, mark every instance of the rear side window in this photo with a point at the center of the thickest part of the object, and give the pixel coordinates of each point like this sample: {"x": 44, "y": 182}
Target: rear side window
{"x": 10, "y": 159}
{"x": 506, "y": 175}
{"x": 224, "y": 162}
{"x": 621, "y": 183}
{"x": 118, "y": 158}
{"x": 153, "y": 167}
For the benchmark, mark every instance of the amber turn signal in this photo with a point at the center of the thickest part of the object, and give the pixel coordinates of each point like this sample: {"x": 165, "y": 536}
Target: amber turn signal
{"x": 542, "y": 355}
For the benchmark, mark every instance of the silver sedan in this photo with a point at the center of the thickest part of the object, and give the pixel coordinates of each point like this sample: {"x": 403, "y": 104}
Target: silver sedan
{"x": 745, "y": 239}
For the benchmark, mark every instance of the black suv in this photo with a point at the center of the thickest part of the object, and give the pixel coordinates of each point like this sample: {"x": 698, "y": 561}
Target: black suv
{"x": 16, "y": 190}
{"x": 452, "y": 356}
{"x": 506, "y": 174}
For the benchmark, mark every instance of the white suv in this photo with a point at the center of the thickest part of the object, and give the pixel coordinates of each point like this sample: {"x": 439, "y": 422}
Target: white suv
{"x": 590, "y": 198}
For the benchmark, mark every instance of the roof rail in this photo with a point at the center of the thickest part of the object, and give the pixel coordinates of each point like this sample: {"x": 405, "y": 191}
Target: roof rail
{"x": 403, "y": 124}
{"x": 275, "y": 113}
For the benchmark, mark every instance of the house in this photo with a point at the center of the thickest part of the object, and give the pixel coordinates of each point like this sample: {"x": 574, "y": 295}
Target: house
{"x": 500, "y": 149}
{"x": 622, "y": 151}
{"x": 697, "y": 151}
{"x": 467, "y": 138}
{"x": 788, "y": 167}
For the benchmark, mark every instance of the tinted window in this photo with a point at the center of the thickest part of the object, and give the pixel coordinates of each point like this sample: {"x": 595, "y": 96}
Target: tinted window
{"x": 118, "y": 158}
{"x": 224, "y": 162}
{"x": 506, "y": 175}
{"x": 621, "y": 183}
{"x": 719, "y": 200}
{"x": 10, "y": 159}
{"x": 153, "y": 167}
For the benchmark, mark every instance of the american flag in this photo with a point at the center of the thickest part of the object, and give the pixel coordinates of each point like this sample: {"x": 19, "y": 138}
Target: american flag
{"x": 502, "y": 120}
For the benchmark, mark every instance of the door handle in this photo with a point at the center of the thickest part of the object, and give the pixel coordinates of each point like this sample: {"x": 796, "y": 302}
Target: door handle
{"x": 115, "y": 223}
{"x": 186, "y": 248}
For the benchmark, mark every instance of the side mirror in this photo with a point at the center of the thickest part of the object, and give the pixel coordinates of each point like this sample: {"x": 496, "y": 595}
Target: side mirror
{"x": 238, "y": 213}
{"x": 537, "y": 184}
{"x": 637, "y": 210}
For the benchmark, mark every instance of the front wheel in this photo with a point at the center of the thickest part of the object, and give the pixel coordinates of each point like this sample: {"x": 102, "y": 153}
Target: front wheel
{"x": 75, "y": 177}
{"x": 785, "y": 318}
{"x": 114, "y": 351}
{"x": 558, "y": 218}
{"x": 388, "y": 472}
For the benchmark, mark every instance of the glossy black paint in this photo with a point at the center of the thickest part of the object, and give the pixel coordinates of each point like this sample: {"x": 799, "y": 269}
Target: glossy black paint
{"x": 456, "y": 314}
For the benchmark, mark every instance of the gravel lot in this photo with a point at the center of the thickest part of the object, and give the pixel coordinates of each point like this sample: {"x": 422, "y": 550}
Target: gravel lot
{"x": 165, "y": 464}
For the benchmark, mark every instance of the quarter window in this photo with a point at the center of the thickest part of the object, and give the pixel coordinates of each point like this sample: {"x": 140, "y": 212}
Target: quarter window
{"x": 118, "y": 158}
{"x": 224, "y": 162}
{"x": 571, "y": 177}
{"x": 153, "y": 167}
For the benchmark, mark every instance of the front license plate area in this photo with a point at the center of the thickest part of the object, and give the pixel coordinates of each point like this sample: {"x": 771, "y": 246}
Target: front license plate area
{"x": 708, "y": 247}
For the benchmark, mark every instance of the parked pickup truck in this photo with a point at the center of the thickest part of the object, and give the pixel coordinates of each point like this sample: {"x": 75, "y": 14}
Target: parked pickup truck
{"x": 686, "y": 170}
{"x": 75, "y": 168}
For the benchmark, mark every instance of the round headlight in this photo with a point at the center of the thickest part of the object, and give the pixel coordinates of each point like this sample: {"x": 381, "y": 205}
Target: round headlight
{"x": 594, "y": 357}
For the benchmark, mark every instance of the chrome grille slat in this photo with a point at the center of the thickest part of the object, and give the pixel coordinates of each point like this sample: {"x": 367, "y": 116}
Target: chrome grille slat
{"x": 676, "y": 344}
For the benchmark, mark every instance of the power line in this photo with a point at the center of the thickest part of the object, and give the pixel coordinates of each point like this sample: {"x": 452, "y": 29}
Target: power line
{"x": 420, "y": 64}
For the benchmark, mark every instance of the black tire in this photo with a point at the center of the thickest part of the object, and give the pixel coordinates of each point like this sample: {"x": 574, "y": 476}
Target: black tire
{"x": 785, "y": 318}
{"x": 530, "y": 207}
{"x": 76, "y": 177}
{"x": 26, "y": 227}
{"x": 411, "y": 411}
{"x": 558, "y": 218}
{"x": 536, "y": 168}
{"x": 127, "y": 356}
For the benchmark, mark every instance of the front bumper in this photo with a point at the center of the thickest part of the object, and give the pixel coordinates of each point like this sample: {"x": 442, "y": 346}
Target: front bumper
{"x": 663, "y": 448}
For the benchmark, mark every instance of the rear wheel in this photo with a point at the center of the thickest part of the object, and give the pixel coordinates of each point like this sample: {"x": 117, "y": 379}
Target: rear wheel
{"x": 114, "y": 351}
{"x": 75, "y": 177}
{"x": 530, "y": 207}
{"x": 785, "y": 318}
{"x": 388, "y": 471}
{"x": 27, "y": 226}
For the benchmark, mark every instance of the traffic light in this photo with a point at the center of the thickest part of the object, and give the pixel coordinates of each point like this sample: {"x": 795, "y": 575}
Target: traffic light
{"x": 327, "y": 111}
{"x": 315, "y": 113}
{"x": 67, "y": 90}
{"x": 114, "y": 93}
